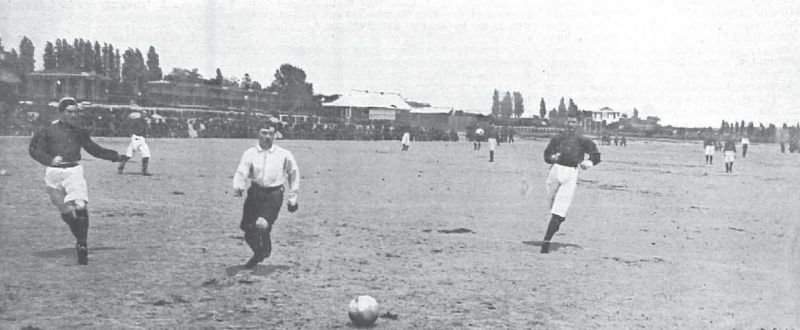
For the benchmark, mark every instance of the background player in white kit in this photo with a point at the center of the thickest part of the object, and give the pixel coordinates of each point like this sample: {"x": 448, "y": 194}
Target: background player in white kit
{"x": 478, "y": 137}
{"x": 406, "y": 141}
{"x": 138, "y": 143}
{"x": 492, "y": 140}
{"x": 745, "y": 144}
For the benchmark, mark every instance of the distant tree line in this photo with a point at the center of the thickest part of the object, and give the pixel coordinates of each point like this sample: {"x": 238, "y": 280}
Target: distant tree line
{"x": 511, "y": 106}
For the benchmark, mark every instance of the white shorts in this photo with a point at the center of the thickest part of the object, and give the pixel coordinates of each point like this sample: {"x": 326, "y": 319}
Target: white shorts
{"x": 709, "y": 150}
{"x": 561, "y": 183}
{"x": 139, "y": 144}
{"x": 729, "y": 156}
{"x": 65, "y": 185}
{"x": 492, "y": 144}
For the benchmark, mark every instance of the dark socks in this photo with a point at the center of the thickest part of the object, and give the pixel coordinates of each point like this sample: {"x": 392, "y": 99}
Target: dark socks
{"x": 145, "y": 162}
{"x": 82, "y": 220}
{"x": 72, "y": 222}
{"x": 121, "y": 166}
{"x": 552, "y": 228}
{"x": 82, "y": 224}
{"x": 491, "y": 155}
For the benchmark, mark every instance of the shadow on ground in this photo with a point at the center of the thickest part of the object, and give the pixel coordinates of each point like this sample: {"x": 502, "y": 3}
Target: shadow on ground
{"x": 554, "y": 246}
{"x": 68, "y": 252}
{"x": 259, "y": 270}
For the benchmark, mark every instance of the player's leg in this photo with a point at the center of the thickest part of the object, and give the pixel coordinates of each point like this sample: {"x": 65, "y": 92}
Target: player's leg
{"x": 77, "y": 199}
{"x": 272, "y": 207}
{"x": 129, "y": 153}
{"x": 744, "y": 150}
{"x": 145, "y": 150}
{"x": 251, "y": 236}
{"x": 57, "y": 196}
{"x": 568, "y": 179}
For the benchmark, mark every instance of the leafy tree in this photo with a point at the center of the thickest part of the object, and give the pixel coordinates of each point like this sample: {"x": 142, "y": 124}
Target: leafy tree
{"x": 26, "y": 51}
{"x": 88, "y": 56}
{"x": 572, "y": 109}
{"x": 295, "y": 93}
{"x": 153, "y": 67}
{"x": 553, "y": 114}
{"x": 562, "y": 109}
{"x": 542, "y": 109}
{"x": 635, "y": 113}
{"x": 496, "y": 104}
{"x": 247, "y": 82}
{"x": 98, "y": 59}
{"x": 49, "y": 57}
{"x": 219, "y": 78}
{"x": 182, "y": 75}
{"x": 506, "y": 106}
{"x": 519, "y": 104}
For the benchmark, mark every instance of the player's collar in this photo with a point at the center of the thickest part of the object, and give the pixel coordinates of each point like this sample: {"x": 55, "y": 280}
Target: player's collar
{"x": 270, "y": 150}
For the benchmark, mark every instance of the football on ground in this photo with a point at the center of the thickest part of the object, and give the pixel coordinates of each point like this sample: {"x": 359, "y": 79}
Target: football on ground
{"x": 363, "y": 310}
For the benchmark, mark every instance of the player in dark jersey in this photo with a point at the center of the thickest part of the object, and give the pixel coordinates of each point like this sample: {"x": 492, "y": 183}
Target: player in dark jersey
{"x": 58, "y": 147}
{"x": 565, "y": 152}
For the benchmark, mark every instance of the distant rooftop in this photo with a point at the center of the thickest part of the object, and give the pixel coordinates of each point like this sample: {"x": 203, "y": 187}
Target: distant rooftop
{"x": 370, "y": 99}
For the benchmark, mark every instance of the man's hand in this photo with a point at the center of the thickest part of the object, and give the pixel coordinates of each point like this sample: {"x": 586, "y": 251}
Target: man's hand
{"x": 554, "y": 157}
{"x": 57, "y": 160}
{"x": 238, "y": 192}
{"x": 123, "y": 158}
{"x": 292, "y": 207}
{"x": 586, "y": 164}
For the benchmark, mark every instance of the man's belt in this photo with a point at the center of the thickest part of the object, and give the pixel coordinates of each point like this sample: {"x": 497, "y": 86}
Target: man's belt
{"x": 261, "y": 189}
{"x": 567, "y": 164}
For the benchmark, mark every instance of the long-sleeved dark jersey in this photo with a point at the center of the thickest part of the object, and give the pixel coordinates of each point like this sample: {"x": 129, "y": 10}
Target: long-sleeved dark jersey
{"x": 572, "y": 146}
{"x": 60, "y": 139}
{"x": 730, "y": 145}
{"x": 139, "y": 127}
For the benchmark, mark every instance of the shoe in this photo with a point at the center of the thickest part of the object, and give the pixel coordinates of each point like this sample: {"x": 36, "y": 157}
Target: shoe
{"x": 147, "y": 174}
{"x": 254, "y": 260}
{"x": 545, "y": 247}
{"x": 83, "y": 254}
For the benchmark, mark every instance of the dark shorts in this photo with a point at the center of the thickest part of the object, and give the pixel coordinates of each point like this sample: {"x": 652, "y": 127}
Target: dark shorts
{"x": 261, "y": 202}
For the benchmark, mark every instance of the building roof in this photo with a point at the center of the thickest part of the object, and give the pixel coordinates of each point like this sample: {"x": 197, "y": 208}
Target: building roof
{"x": 370, "y": 99}
{"x": 607, "y": 109}
{"x": 67, "y": 74}
{"x": 432, "y": 110}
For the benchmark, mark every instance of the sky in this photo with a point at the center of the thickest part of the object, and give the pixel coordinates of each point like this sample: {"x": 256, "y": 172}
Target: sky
{"x": 691, "y": 63}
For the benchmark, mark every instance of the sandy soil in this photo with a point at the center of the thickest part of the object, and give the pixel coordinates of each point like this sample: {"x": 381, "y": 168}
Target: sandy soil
{"x": 654, "y": 239}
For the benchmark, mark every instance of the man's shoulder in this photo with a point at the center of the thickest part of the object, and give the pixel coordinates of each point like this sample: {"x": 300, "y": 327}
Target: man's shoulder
{"x": 281, "y": 150}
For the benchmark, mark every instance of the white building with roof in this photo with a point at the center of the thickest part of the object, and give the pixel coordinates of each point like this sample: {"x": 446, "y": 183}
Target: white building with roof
{"x": 607, "y": 114}
{"x": 364, "y": 106}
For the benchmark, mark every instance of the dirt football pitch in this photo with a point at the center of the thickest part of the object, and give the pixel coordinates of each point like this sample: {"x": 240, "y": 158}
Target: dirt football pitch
{"x": 442, "y": 239}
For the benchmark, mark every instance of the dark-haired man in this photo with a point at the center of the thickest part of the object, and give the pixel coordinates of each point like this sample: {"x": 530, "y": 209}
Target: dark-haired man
{"x": 58, "y": 147}
{"x": 565, "y": 152}
{"x": 268, "y": 167}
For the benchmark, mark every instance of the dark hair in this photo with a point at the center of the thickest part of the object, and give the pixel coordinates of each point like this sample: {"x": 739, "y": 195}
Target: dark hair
{"x": 65, "y": 102}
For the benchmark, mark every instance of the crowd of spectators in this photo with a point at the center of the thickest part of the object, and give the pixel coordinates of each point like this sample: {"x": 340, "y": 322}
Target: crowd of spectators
{"x": 104, "y": 121}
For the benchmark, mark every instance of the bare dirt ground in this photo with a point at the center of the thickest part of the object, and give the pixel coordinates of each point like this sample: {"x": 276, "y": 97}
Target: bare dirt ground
{"x": 654, "y": 239}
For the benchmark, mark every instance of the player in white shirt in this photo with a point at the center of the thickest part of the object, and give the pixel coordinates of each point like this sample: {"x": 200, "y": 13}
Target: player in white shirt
{"x": 268, "y": 167}
{"x": 478, "y": 137}
{"x": 406, "y": 141}
{"x": 745, "y": 143}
